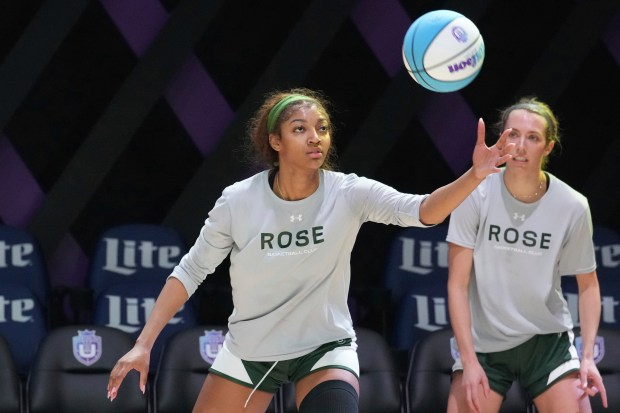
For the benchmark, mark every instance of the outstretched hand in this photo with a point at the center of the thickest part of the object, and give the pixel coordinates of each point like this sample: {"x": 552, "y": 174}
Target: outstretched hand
{"x": 487, "y": 160}
{"x": 136, "y": 359}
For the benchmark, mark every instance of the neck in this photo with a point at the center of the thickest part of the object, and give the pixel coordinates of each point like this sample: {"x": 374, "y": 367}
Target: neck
{"x": 526, "y": 188}
{"x": 295, "y": 188}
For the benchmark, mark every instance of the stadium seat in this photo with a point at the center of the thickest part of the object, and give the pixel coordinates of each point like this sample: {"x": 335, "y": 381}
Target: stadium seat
{"x": 380, "y": 387}
{"x": 184, "y": 364}
{"x": 71, "y": 371}
{"x": 22, "y": 323}
{"x": 416, "y": 274}
{"x": 129, "y": 268}
{"x": 22, "y": 263}
{"x": 428, "y": 380}
{"x": 10, "y": 383}
{"x": 134, "y": 252}
{"x": 422, "y": 310}
{"x": 24, "y": 294}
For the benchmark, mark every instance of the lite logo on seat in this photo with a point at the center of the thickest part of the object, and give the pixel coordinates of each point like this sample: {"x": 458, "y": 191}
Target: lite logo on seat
{"x": 125, "y": 257}
{"x": 17, "y": 310}
{"x": 423, "y": 256}
{"x": 16, "y": 255}
{"x": 129, "y": 314}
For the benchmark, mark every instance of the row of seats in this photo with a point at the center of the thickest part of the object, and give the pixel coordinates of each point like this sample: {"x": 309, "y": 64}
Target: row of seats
{"x": 72, "y": 366}
{"x": 129, "y": 267}
{"x": 130, "y": 264}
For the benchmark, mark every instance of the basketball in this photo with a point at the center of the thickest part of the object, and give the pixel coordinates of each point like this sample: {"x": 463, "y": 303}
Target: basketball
{"x": 443, "y": 51}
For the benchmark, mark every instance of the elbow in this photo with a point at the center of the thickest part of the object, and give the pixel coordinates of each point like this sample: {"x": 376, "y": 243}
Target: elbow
{"x": 430, "y": 219}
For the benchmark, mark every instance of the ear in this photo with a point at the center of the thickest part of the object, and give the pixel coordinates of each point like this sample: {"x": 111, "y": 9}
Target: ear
{"x": 274, "y": 141}
{"x": 549, "y": 147}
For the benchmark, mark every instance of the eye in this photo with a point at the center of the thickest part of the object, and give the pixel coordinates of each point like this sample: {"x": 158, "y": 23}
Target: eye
{"x": 513, "y": 134}
{"x": 323, "y": 129}
{"x": 299, "y": 129}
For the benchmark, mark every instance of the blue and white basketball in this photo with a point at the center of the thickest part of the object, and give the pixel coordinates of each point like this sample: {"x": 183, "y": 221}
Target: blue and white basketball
{"x": 443, "y": 51}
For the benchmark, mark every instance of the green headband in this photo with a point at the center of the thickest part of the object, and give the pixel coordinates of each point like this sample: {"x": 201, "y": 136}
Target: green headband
{"x": 277, "y": 109}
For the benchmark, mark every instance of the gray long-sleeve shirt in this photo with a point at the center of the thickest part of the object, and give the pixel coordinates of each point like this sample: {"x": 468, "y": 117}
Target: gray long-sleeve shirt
{"x": 290, "y": 260}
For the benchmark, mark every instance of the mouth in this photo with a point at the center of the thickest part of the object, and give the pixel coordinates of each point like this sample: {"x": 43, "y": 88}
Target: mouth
{"x": 519, "y": 158}
{"x": 315, "y": 153}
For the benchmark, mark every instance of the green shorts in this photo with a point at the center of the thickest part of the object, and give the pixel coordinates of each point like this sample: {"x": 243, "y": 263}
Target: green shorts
{"x": 270, "y": 375}
{"x": 537, "y": 364}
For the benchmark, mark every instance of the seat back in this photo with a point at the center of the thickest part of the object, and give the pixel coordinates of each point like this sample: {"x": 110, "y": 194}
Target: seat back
{"x": 127, "y": 306}
{"x": 130, "y": 266}
{"x": 414, "y": 253}
{"x": 22, "y": 323}
{"x": 428, "y": 380}
{"x": 380, "y": 387}
{"x": 135, "y": 252}
{"x": 417, "y": 274}
{"x": 10, "y": 383}
{"x": 72, "y": 368}
{"x": 22, "y": 263}
{"x": 184, "y": 364}
{"x": 607, "y": 358}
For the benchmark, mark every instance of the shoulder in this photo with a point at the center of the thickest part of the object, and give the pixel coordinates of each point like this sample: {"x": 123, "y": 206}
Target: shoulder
{"x": 566, "y": 194}
{"x": 241, "y": 189}
{"x": 489, "y": 185}
{"x": 341, "y": 180}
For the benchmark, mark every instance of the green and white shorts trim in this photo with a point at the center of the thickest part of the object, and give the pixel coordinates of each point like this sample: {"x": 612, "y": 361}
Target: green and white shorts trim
{"x": 537, "y": 364}
{"x": 268, "y": 376}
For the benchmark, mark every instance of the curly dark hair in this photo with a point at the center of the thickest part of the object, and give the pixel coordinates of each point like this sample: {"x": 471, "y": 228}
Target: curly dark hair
{"x": 258, "y": 150}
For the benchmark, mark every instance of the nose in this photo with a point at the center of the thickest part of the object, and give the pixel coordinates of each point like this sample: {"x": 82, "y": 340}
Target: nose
{"x": 313, "y": 137}
{"x": 520, "y": 143}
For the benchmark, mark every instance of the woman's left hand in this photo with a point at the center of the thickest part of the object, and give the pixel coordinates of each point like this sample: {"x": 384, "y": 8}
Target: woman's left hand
{"x": 591, "y": 381}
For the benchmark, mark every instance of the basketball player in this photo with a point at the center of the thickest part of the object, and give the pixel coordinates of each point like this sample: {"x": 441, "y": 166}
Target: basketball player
{"x": 289, "y": 231}
{"x": 510, "y": 242}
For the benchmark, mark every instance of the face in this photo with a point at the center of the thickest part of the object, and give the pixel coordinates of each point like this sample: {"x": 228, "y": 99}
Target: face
{"x": 304, "y": 138}
{"x": 528, "y": 135}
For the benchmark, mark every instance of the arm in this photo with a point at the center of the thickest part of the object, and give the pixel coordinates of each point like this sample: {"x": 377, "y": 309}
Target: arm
{"x": 439, "y": 204}
{"x": 459, "y": 273}
{"x": 173, "y": 295}
{"x": 589, "y": 316}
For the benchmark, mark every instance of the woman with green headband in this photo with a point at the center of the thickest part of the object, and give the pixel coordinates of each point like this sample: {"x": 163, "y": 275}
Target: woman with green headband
{"x": 289, "y": 231}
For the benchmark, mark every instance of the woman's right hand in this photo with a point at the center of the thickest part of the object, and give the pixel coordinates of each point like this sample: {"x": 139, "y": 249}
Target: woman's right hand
{"x": 138, "y": 359}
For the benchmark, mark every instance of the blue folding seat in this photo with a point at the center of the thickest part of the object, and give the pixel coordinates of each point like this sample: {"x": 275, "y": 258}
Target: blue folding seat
{"x": 22, "y": 262}
{"x": 607, "y": 250}
{"x": 416, "y": 273}
{"x": 415, "y": 254}
{"x": 128, "y": 270}
{"x": 22, "y": 323}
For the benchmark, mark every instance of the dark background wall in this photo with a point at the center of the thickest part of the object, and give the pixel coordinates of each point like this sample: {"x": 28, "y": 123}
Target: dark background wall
{"x": 122, "y": 111}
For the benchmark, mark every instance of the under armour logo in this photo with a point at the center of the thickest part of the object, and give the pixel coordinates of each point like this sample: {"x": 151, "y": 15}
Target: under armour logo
{"x": 517, "y": 216}
{"x": 294, "y": 218}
